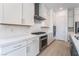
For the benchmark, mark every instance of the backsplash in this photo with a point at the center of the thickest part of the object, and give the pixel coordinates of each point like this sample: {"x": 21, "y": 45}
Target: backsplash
{"x": 9, "y": 31}
{"x": 12, "y": 31}
{"x": 36, "y": 28}
{"x": 15, "y": 31}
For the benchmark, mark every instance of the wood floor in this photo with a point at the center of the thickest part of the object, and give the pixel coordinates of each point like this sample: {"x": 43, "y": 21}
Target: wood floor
{"x": 57, "y": 48}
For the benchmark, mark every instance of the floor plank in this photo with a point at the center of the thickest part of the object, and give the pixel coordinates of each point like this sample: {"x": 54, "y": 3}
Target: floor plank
{"x": 57, "y": 48}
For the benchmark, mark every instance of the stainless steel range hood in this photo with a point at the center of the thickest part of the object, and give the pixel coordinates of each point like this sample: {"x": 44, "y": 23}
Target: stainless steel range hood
{"x": 36, "y": 16}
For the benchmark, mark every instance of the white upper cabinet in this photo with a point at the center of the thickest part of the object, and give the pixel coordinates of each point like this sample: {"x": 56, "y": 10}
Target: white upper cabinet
{"x": 1, "y": 12}
{"x": 43, "y": 11}
{"x": 28, "y": 14}
{"x": 12, "y": 13}
{"x": 76, "y": 17}
{"x": 17, "y": 13}
{"x": 76, "y": 11}
{"x": 71, "y": 17}
{"x": 76, "y": 14}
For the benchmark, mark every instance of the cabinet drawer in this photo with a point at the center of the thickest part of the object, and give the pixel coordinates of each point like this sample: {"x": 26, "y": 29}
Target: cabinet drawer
{"x": 7, "y": 49}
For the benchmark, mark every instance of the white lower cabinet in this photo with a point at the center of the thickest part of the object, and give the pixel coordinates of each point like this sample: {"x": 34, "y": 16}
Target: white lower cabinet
{"x": 18, "y": 52}
{"x": 50, "y": 38}
{"x": 36, "y": 46}
{"x": 28, "y": 47}
{"x": 32, "y": 48}
{"x": 14, "y": 49}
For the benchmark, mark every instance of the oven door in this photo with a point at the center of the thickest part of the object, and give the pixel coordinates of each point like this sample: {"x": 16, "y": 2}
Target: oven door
{"x": 43, "y": 43}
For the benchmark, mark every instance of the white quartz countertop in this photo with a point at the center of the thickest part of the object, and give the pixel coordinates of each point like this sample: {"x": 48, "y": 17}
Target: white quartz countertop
{"x": 4, "y": 41}
{"x": 75, "y": 41}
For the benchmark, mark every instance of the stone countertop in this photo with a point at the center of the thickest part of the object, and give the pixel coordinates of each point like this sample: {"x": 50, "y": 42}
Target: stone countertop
{"x": 75, "y": 41}
{"x": 4, "y": 41}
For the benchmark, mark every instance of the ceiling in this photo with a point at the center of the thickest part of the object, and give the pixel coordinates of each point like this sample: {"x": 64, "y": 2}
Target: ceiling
{"x": 61, "y": 5}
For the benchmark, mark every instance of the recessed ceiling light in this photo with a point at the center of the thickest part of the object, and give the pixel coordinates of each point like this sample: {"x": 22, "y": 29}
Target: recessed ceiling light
{"x": 60, "y": 8}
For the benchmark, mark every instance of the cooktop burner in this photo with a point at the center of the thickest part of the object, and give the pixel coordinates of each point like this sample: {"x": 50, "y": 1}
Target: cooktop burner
{"x": 38, "y": 33}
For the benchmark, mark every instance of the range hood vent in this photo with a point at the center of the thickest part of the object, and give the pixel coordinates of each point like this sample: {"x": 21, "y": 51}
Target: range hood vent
{"x": 36, "y": 16}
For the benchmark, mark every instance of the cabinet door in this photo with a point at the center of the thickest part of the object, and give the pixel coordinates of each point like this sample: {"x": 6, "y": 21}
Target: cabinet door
{"x": 76, "y": 11}
{"x": 12, "y": 13}
{"x": 70, "y": 17}
{"x": 33, "y": 47}
{"x": 29, "y": 49}
{"x": 36, "y": 46}
{"x": 49, "y": 41}
{"x": 73, "y": 50}
{"x": 28, "y": 14}
{"x": 76, "y": 17}
{"x": 76, "y": 14}
{"x": 1, "y": 12}
{"x": 43, "y": 10}
{"x": 50, "y": 38}
{"x": 18, "y": 52}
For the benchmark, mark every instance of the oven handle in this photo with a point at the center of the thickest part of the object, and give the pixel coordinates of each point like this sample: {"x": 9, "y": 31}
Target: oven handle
{"x": 44, "y": 38}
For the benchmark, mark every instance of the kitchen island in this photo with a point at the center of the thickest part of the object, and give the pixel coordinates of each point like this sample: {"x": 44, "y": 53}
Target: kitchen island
{"x": 74, "y": 44}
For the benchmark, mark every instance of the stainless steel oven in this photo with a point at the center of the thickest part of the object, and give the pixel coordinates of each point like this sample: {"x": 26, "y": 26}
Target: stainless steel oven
{"x": 42, "y": 40}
